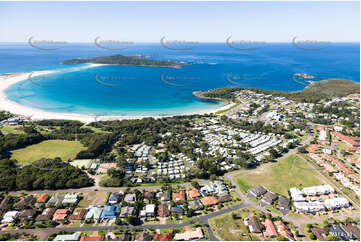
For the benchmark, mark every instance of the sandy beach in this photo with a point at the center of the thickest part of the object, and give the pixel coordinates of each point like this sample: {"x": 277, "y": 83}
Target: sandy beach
{"x": 6, "y": 80}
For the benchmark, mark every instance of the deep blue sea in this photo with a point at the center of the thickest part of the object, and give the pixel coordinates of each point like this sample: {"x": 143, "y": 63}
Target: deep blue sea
{"x": 134, "y": 90}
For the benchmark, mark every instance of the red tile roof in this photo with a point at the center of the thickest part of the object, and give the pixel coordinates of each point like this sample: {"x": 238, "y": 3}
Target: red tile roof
{"x": 209, "y": 201}
{"x": 193, "y": 193}
{"x": 61, "y": 214}
{"x": 312, "y": 148}
{"x": 163, "y": 237}
{"x": 181, "y": 196}
{"x": 42, "y": 198}
{"x": 354, "y": 141}
{"x": 270, "y": 229}
{"x": 92, "y": 238}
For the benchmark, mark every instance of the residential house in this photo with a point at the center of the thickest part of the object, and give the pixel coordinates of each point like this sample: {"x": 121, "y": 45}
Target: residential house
{"x": 220, "y": 188}
{"x": 164, "y": 196}
{"x": 126, "y": 212}
{"x": 195, "y": 205}
{"x": 115, "y": 198}
{"x": 189, "y": 234}
{"x": 68, "y": 237}
{"x": 10, "y": 216}
{"x": 43, "y": 198}
{"x": 79, "y": 214}
{"x": 92, "y": 238}
{"x": 163, "y": 210}
{"x": 178, "y": 211}
{"x": 122, "y": 237}
{"x": 55, "y": 201}
{"x": 270, "y": 230}
{"x": 224, "y": 199}
{"x": 110, "y": 212}
{"x": 46, "y": 215}
{"x": 27, "y": 215}
{"x": 209, "y": 201}
{"x": 337, "y": 231}
{"x": 207, "y": 189}
{"x": 253, "y": 224}
{"x": 25, "y": 202}
{"x": 6, "y": 203}
{"x": 149, "y": 195}
{"x": 94, "y": 213}
{"x": 320, "y": 233}
{"x": 284, "y": 230}
{"x": 130, "y": 198}
{"x": 256, "y": 192}
{"x": 61, "y": 214}
{"x": 352, "y": 231}
{"x": 70, "y": 199}
{"x": 180, "y": 196}
{"x": 284, "y": 203}
{"x": 163, "y": 237}
{"x": 150, "y": 210}
{"x": 143, "y": 236}
{"x": 268, "y": 199}
{"x": 194, "y": 193}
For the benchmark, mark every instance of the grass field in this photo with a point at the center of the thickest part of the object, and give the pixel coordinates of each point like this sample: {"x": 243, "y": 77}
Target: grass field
{"x": 281, "y": 176}
{"x": 13, "y": 129}
{"x": 228, "y": 229}
{"x": 48, "y": 149}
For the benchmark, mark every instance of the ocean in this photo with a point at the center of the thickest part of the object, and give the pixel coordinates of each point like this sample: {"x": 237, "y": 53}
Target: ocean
{"x": 158, "y": 91}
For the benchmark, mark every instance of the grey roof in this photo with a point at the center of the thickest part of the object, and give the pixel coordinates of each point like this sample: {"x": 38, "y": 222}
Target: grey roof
{"x": 126, "y": 211}
{"x": 258, "y": 191}
{"x": 130, "y": 198}
{"x": 195, "y": 205}
{"x": 55, "y": 200}
{"x": 269, "y": 197}
{"x": 283, "y": 202}
{"x": 115, "y": 197}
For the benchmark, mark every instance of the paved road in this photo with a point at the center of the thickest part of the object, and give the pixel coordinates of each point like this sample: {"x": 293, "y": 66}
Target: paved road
{"x": 45, "y": 232}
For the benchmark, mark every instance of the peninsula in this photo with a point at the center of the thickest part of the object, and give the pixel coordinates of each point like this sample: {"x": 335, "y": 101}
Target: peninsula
{"x": 124, "y": 60}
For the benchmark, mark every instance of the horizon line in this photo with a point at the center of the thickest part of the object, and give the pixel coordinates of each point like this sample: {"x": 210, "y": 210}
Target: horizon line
{"x": 198, "y": 42}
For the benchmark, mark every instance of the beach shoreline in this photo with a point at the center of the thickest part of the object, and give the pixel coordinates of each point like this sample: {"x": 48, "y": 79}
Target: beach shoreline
{"x": 7, "y": 80}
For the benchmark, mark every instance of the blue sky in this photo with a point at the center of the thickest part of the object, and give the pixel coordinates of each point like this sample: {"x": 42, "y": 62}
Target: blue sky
{"x": 191, "y": 21}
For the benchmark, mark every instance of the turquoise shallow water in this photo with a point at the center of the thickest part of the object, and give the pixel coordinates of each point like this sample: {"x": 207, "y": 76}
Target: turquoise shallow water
{"x": 134, "y": 90}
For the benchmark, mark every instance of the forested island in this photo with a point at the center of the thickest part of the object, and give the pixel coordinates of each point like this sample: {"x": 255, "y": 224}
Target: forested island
{"x": 124, "y": 60}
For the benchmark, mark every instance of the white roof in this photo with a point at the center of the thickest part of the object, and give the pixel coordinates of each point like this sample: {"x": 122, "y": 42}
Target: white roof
{"x": 149, "y": 208}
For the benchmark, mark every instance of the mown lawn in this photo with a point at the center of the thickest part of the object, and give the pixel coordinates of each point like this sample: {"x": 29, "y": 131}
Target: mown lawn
{"x": 281, "y": 176}
{"x": 48, "y": 149}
